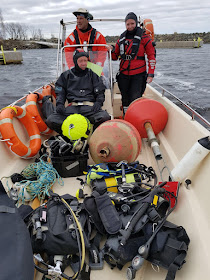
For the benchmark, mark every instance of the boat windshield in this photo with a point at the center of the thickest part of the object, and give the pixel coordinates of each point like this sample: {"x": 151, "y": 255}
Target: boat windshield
{"x": 99, "y": 62}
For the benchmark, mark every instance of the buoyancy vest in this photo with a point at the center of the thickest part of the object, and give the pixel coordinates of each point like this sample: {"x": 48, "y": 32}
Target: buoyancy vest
{"x": 134, "y": 48}
{"x": 91, "y": 37}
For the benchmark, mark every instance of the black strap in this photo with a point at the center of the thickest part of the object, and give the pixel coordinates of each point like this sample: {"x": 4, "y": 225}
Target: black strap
{"x": 7, "y": 209}
{"x": 147, "y": 43}
{"x": 176, "y": 244}
{"x": 95, "y": 255}
{"x": 92, "y": 38}
{"x": 140, "y": 57}
{"x": 181, "y": 246}
{"x": 76, "y": 36}
{"x": 176, "y": 265}
{"x": 74, "y": 264}
{"x": 85, "y": 273}
{"x": 107, "y": 212}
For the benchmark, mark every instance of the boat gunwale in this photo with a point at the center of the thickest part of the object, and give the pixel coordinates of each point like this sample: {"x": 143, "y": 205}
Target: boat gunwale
{"x": 194, "y": 113}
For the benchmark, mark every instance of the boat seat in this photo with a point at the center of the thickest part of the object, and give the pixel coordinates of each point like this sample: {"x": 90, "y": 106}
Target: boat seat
{"x": 117, "y": 102}
{"x": 108, "y": 103}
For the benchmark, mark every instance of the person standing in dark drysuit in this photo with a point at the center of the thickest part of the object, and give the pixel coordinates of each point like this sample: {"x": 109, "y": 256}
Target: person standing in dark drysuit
{"x": 84, "y": 91}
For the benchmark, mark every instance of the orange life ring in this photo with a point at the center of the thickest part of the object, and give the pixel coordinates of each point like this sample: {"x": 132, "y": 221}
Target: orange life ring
{"x": 31, "y": 107}
{"x": 149, "y": 28}
{"x": 9, "y": 135}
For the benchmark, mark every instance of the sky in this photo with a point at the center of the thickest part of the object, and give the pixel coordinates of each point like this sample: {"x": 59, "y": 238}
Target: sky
{"x": 168, "y": 16}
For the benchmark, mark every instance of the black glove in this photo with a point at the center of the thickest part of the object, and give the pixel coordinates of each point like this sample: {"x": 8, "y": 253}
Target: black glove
{"x": 96, "y": 107}
{"x": 60, "y": 109}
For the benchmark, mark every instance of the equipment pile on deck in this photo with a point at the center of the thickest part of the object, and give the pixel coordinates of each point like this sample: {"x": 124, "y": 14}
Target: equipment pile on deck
{"x": 124, "y": 219}
{"x": 127, "y": 209}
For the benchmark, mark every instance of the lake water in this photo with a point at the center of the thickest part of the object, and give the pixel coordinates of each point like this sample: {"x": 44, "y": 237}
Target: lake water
{"x": 184, "y": 72}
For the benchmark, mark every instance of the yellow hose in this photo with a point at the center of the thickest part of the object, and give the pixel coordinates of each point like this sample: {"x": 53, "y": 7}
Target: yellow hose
{"x": 81, "y": 237}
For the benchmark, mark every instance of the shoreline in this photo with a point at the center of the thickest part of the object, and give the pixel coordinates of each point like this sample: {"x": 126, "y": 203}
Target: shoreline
{"x": 10, "y": 44}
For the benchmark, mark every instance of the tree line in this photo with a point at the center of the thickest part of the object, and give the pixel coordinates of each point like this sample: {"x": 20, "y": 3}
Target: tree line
{"x": 17, "y": 31}
{"x": 205, "y": 36}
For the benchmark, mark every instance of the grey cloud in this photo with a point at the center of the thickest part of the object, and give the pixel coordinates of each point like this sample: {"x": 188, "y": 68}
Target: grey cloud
{"x": 168, "y": 16}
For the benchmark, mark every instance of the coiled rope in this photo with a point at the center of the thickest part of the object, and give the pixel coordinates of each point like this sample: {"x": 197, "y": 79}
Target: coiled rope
{"x": 40, "y": 178}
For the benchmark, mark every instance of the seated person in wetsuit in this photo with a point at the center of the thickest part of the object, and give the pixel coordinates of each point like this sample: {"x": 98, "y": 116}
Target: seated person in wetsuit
{"x": 84, "y": 91}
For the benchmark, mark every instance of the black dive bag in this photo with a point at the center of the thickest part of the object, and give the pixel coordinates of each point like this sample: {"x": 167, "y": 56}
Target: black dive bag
{"x": 16, "y": 252}
{"x": 53, "y": 229}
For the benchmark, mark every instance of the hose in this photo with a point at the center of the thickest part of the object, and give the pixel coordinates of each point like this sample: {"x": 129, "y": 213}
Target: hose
{"x": 138, "y": 214}
{"x": 40, "y": 177}
{"x": 81, "y": 238}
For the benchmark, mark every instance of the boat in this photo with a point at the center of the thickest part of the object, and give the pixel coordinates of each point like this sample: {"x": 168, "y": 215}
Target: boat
{"x": 181, "y": 133}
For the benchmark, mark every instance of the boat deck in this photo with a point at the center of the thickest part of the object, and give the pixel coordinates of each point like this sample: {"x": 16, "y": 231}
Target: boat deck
{"x": 192, "y": 211}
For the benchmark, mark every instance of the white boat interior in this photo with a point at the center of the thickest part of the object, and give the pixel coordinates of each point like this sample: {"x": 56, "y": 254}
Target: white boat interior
{"x": 192, "y": 211}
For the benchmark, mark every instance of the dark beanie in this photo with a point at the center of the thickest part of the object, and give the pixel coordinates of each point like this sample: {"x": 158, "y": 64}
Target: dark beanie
{"x": 132, "y": 16}
{"x": 79, "y": 53}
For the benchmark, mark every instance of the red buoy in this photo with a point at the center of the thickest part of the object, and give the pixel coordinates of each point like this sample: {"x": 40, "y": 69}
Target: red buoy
{"x": 113, "y": 141}
{"x": 144, "y": 110}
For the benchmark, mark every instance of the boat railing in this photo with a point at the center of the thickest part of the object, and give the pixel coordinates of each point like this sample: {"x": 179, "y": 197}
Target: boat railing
{"x": 24, "y": 96}
{"x": 96, "y": 20}
{"x": 91, "y": 45}
{"x": 192, "y": 112}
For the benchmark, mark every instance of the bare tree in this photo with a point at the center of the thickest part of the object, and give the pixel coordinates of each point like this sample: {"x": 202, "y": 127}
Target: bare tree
{"x": 23, "y": 30}
{"x": 40, "y": 35}
{"x": 10, "y": 29}
{"x": 17, "y": 31}
{"x": 2, "y": 26}
{"x": 34, "y": 33}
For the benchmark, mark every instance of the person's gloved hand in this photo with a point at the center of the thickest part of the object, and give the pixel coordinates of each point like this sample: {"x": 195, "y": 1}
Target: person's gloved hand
{"x": 60, "y": 109}
{"x": 96, "y": 107}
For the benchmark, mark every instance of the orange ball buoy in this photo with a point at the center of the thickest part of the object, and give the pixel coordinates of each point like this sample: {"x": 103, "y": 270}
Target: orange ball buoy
{"x": 113, "y": 141}
{"x": 144, "y": 110}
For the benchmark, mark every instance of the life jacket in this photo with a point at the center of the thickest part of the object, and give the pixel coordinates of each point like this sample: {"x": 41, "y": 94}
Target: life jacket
{"x": 149, "y": 28}
{"x": 91, "y": 38}
{"x": 134, "y": 47}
